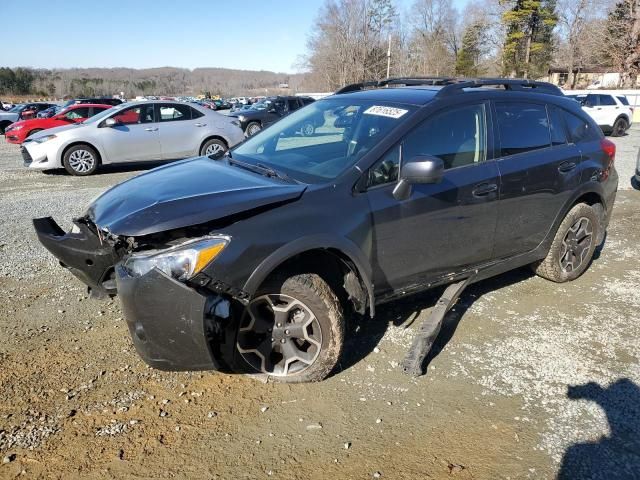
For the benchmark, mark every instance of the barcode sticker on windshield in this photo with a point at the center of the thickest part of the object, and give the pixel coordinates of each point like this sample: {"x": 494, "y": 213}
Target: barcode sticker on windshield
{"x": 390, "y": 112}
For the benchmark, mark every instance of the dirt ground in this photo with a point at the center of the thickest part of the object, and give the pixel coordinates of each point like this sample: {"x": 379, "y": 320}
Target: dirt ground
{"x": 530, "y": 379}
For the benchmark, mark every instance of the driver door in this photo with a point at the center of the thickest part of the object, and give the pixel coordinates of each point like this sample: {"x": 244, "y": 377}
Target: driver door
{"x": 444, "y": 227}
{"x": 135, "y": 136}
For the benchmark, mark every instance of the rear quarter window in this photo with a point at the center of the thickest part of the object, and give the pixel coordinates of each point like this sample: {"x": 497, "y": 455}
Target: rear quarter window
{"x": 579, "y": 129}
{"x": 623, "y": 100}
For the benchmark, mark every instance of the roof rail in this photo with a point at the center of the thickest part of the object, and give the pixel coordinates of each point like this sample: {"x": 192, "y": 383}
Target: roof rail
{"x": 407, "y": 81}
{"x": 453, "y": 85}
{"x": 515, "y": 84}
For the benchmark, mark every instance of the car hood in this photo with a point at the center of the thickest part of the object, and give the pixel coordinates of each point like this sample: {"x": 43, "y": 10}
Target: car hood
{"x": 186, "y": 193}
{"x": 55, "y": 130}
{"x": 248, "y": 113}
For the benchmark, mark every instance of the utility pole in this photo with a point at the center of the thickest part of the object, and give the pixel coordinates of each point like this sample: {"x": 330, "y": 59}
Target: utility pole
{"x": 389, "y": 57}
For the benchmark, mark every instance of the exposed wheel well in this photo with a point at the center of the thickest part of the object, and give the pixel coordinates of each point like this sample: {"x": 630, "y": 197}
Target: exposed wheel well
{"x": 622, "y": 116}
{"x": 590, "y": 198}
{"x": 4, "y": 125}
{"x": 335, "y": 268}
{"x": 213, "y": 137}
{"x": 74, "y": 144}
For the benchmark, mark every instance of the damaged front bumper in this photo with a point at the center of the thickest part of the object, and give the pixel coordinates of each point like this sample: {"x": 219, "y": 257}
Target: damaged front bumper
{"x": 174, "y": 326}
{"x": 89, "y": 257}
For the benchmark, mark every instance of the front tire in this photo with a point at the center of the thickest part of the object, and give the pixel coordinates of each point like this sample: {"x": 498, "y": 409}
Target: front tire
{"x": 619, "y": 127}
{"x": 34, "y": 131}
{"x": 253, "y": 128}
{"x": 81, "y": 160}
{"x": 573, "y": 246}
{"x": 293, "y": 329}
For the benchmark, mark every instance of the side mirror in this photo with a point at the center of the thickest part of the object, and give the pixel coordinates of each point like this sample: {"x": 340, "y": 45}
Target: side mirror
{"x": 420, "y": 169}
{"x": 110, "y": 122}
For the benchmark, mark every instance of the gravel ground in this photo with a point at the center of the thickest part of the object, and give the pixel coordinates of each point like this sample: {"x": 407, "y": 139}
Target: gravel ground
{"x": 529, "y": 379}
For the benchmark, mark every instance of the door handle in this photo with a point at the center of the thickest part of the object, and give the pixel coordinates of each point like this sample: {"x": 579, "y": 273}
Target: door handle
{"x": 149, "y": 129}
{"x": 200, "y": 124}
{"x": 565, "y": 167}
{"x": 484, "y": 189}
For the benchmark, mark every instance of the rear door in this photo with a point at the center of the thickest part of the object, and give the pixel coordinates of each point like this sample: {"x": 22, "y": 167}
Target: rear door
{"x": 135, "y": 136}
{"x": 539, "y": 170}
{"x": 609, "y": 109}
{"x": 180, "y": 130}
{"x": 441, "y": 228}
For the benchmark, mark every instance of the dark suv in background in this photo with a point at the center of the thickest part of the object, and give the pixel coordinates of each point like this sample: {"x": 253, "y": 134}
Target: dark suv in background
{"x": 251, "y": 261}
{"x": 270, "y": 110}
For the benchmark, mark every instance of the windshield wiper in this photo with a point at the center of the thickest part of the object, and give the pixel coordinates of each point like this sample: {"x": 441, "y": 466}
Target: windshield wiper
{"x": 261, "y": 169}
{"x": 270, "y": 172}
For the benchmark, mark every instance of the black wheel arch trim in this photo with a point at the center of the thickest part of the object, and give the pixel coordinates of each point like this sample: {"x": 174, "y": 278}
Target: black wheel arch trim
{"x": 315, "y": 242}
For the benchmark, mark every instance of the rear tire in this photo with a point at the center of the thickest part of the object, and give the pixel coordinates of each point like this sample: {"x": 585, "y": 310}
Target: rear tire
{"x": 3, "y": 126}
{"x": 619, "y": 127}
{"x": 573, "y": 246}
{"x": 293, "y": 329}
{"x": 81, "y": 160}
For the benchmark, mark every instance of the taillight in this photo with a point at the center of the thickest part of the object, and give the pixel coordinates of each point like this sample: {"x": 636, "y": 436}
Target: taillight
{"x": 609, "y": 149}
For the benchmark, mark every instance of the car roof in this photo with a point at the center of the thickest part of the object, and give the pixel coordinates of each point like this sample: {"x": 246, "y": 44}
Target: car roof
{"x": 85, "y": 105}
{"x": 414, "y": 95}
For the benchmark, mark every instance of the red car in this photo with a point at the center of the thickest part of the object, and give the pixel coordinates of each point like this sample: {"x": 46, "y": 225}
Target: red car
{"x": 18, "y": 132}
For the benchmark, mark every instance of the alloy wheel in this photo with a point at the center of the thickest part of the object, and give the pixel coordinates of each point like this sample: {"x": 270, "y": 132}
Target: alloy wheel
{"x": 81, "y": 161}
{"x": 214, "y": 149}
{"x": 253, "y": 129}
{"x": 576, "y": 245}
{"x": 279, "y": 335}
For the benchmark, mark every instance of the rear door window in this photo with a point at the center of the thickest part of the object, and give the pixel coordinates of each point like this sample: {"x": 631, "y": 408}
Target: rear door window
{"x": 77, "y": 113}
{"x": 523, "y": 127}
{"x": 606, "y": 100}
{"x": 174, "y": 112}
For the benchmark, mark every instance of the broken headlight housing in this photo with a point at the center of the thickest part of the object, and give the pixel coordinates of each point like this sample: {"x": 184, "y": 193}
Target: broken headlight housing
{"x": 180, "y": 262}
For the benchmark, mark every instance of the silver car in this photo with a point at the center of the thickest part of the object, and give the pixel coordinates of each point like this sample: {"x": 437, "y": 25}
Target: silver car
{"x": 133, "y": 132}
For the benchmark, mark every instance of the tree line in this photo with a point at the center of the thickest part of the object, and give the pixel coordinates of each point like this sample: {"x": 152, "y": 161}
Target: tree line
{"x": 350, "y": 39}
{"x": 87, "y": 82}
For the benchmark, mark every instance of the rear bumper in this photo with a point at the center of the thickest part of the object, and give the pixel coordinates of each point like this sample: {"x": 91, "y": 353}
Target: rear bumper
{"x": 85, "y": 255}
{"x": 175, "y": 327}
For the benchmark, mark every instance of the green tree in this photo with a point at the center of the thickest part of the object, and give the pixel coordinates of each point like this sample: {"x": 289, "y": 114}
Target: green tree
{"x": 468, "y": 58}
{"x": 528, "y": 44}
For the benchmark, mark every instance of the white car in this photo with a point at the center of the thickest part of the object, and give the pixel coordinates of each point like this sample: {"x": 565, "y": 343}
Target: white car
{"x": 133, "y": 132}
{"x": 611, "y": 112}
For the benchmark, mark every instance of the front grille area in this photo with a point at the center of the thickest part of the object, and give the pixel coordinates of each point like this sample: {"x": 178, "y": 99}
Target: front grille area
{"x": 25, "y": 156}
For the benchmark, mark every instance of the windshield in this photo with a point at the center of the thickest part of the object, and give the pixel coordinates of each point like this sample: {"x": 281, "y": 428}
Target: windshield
{"x": 320, "y": 141}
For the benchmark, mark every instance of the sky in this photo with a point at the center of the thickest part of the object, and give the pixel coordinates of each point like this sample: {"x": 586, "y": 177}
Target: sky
{"x": 242, "y": 34}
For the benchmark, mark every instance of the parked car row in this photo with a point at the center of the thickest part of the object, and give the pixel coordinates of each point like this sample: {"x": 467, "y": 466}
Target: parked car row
{"x": 19, "y": 131}
{"x": 255, "y": 117}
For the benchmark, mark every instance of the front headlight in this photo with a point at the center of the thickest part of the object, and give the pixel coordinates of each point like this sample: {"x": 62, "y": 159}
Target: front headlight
{"x": 180, "y": 262}
{"x": 44, "y": 139}
{"x": 11, "y": 128}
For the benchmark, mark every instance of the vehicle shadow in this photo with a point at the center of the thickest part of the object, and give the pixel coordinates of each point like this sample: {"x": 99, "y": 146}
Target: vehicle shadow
{"x": 364, "y": 333}
{"x": 613, "y": 456}
{"x": 117, "y": 168}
